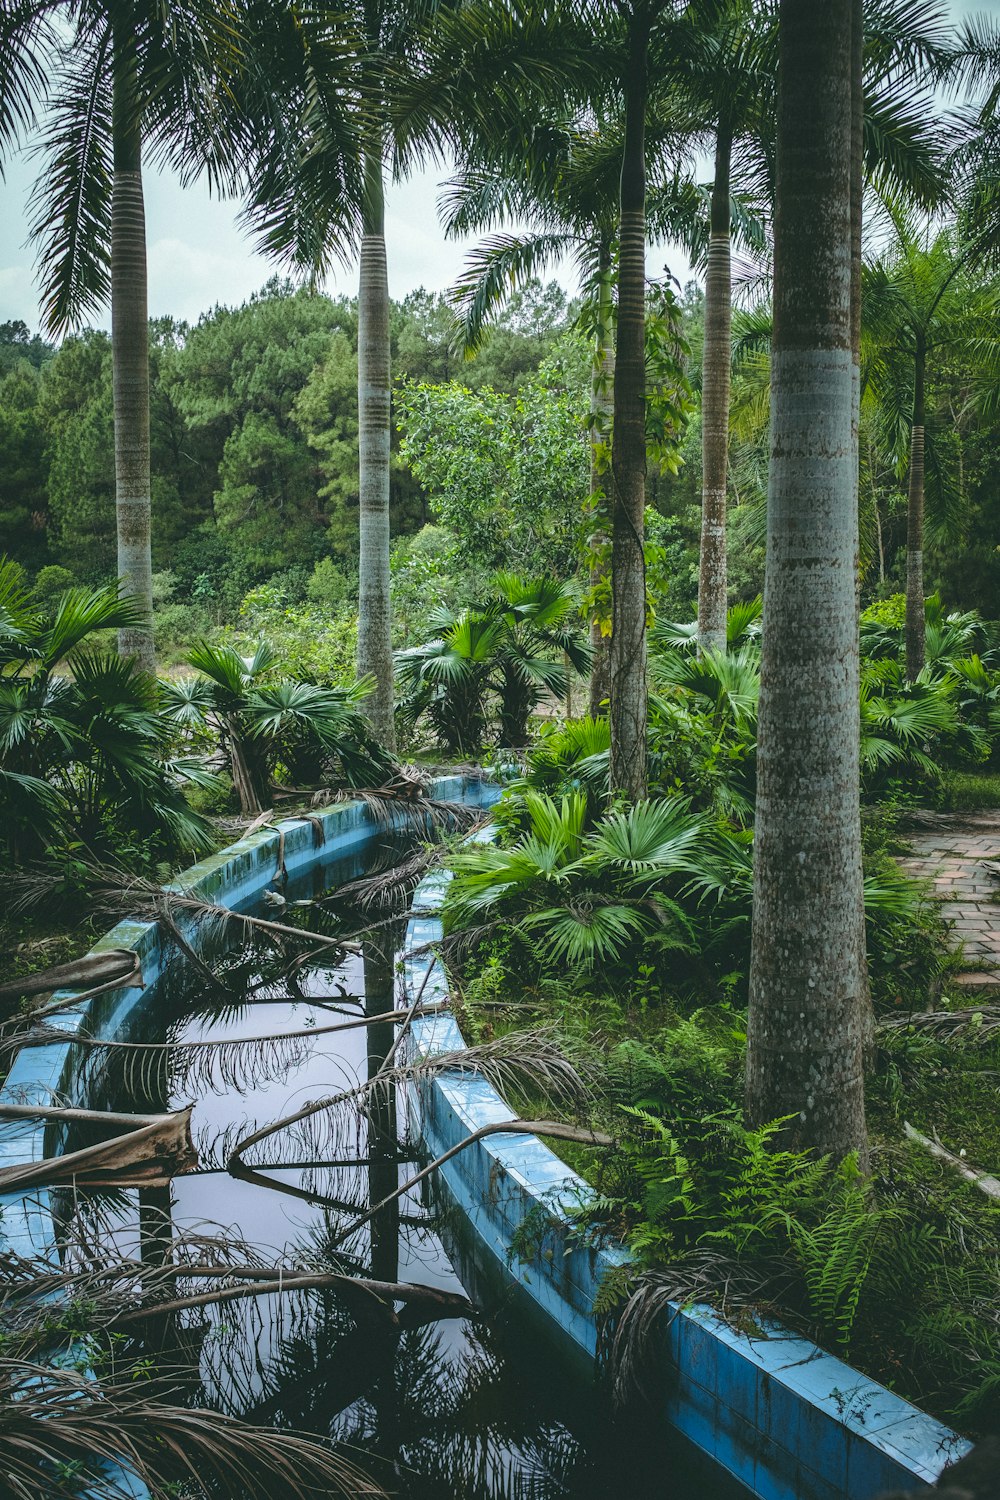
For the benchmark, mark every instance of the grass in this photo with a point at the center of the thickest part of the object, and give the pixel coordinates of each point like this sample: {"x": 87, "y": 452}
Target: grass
{"x": 971, "y": 791}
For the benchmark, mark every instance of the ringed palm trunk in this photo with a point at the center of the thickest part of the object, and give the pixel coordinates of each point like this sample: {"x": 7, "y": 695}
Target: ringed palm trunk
{"x": 130, "y": 353}
{"x": 808, "y": 986}
{"x": 374, "y": 616}
{"x": 712, "y": 571}
{"x": 601, "y": 410}
{"x": 915, "y": 624}
{"x": 628, "y": 690}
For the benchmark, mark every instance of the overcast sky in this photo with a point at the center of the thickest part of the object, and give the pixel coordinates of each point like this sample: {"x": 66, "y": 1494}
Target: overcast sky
{"x": 198, "y": 257}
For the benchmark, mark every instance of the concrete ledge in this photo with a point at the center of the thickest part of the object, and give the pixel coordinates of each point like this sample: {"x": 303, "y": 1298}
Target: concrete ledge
{"x": 236, "y": 878}
{"x": 788, "y": 1420}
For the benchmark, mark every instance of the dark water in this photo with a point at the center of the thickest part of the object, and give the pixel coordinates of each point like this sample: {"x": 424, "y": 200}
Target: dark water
{"x": 459, "y": 1409}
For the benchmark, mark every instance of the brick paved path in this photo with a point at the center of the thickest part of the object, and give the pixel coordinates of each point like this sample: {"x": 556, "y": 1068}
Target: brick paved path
{"x": 960, "y": 854}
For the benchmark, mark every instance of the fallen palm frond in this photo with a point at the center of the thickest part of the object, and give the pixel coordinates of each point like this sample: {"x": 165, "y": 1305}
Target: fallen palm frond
{"x": 405, "y": 802}
{"x": 150, "y": 1069}
{"x": 971, "y": 1023}
{"x": 532, "y": 1060}
{"x": 380, "y": 888}
{"x": 639, "y": 1307}
{"x": 56, "y": 1423}
{"x": 152, "y": 1152}
{"x": 557, "y": 1129}
{"x": 367, "y": 1299}
{"x": 985, "y": 1181}
{"x": 94, "y": 972}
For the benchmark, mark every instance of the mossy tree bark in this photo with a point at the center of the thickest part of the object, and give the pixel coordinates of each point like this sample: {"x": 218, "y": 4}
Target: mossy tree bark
{"x": 716, "y": 369}
{"x": 130, "y": 351}
{"x": 374, "y": 610}
{"x": 602, "y": 412}
{"x": 628, "y": 700}
{"x": 808, "y": 980}
{"x": 915, "y": 621}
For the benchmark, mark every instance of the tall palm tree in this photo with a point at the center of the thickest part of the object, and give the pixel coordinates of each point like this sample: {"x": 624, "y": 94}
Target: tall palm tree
{"x": 725, "y": 76}
{"x": 628, "y": 692}
{"x": 808, "y": 984}
{"x": 922, "y": 300}
{"x": 110, "y": 76}
{"x": 563, "y": 180}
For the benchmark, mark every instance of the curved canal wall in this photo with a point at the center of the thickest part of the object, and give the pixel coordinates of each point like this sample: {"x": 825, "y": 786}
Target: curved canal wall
{"x": 786, "y": 1419}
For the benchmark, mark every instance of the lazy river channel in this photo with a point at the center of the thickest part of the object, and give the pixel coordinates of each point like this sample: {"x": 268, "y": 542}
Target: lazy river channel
{"x": 481, "y": 1408}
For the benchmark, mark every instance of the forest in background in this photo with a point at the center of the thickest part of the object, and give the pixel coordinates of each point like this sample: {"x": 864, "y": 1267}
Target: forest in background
{"x": 255, "y": 459}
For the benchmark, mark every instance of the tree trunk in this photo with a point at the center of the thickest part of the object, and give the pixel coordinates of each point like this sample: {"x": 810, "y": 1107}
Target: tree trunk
{"x": 712, "y": 580}
{"x": 628, "y": 695}
{"x": 916, "y": 630}
{"x": 808, "y": 988}
{"x": 602, "y": 403}
{"x": 374, "y": 615}
{"x": 130, "y": 353}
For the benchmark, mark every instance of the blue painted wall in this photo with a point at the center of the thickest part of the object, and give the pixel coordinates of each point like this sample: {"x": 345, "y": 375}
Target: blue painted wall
{"x": 787, "y": 1419}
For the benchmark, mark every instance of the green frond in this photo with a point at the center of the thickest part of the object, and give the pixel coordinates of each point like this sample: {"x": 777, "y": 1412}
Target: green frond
{"x": 72, "y": 219}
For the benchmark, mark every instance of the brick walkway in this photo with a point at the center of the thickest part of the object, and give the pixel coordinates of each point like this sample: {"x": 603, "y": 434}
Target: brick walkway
{"x": 959, "y": 853}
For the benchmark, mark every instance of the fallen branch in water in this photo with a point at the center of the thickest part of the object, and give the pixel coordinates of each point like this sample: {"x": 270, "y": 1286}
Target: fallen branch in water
{"x": 984, "y": 1181}
{"x": 558, "y": 1129}
{"x": 148, "y": 1156}
{"x": 106, "y": 970}
{"x": 267, "y": 1281}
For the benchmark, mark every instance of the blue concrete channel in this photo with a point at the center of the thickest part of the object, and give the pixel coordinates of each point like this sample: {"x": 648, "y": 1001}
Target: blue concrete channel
{"x": 787, "y": 1420}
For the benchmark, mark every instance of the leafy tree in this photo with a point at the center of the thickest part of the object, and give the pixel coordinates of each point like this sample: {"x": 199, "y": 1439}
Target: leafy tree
{"x": 236, "y": 382}
{"x": 75, "y": 409}
{"x": 506, "y": 474}
{"x": 23, "y": 467}
{"x": 17, "y": 344}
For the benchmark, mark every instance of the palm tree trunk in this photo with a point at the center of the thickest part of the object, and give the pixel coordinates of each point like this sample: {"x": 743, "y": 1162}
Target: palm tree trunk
{"x": 628, "y": 695}
{"x": 130, "y": 352}
{"x": 915, "y": 623}
{"x": 601, "y": 411}
{"x": 808, "y": 989}
{"x": 717, "y": 363}
{"x": 374, "y": 612}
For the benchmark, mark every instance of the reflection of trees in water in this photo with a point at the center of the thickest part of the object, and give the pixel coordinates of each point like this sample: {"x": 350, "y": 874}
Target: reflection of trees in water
{"x": 441, "y": 1412}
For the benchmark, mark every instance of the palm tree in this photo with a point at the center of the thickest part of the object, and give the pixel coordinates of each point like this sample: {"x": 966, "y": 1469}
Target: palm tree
{"x": 564, "y": 181}
{"x": 726, "y": 74}
{"x": 84, "y": 749}
{"x": 627, "y": 702}
{"x": 921, "y": 301}
{"x": 808, "y": 1004}
{"x": 128, "y": 75}
{"x": 260, "y": 721}
{"x": 515, "y": 647}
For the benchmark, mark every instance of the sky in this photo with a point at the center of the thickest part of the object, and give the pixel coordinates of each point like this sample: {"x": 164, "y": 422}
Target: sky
{"x": 199, "y": 257}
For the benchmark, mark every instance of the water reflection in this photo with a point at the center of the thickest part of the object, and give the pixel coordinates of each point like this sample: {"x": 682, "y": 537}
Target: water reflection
{"x": 468, "y": 1410}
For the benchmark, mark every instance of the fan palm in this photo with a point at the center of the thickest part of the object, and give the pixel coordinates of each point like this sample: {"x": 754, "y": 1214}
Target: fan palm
{"x": 518, "y": 645}
{"x": 309, "y": 729}
{"x": 640, "y": 875}
{"x": 87, "y": 750}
